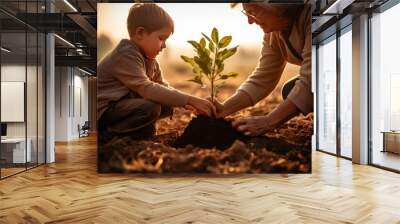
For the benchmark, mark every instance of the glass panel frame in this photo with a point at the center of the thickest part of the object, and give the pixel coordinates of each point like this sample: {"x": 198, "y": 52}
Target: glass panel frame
{"x": 27, "y": 57}
{"x": 384, "y": 112}
{"x": 345, "y": 93}
{"x": 14, "y": 73}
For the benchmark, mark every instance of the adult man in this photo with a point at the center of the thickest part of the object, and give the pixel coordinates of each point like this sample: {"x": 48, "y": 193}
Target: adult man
{"x": 287, "y": 39}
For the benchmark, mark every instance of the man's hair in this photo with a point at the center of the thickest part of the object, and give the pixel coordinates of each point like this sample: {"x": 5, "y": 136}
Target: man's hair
{"x": 149, "y": 16}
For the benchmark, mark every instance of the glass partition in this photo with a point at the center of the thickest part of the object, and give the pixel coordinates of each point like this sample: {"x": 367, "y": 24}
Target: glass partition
{"x": 14, "y": 151}
{"x": 346, "y": 93}
{"x": 22, "y": 87}
{"x": 327, "y": 95}
{"x": 385, "y": 89}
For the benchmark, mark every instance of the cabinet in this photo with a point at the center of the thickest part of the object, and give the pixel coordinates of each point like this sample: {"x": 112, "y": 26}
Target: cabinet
{"x": 13, "y": 150}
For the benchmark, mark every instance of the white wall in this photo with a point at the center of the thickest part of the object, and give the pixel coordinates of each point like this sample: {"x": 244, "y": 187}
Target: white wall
{"x": 71, "y": 94}
{"x": 61, "y": 103}
{"x": 12, "y": 73}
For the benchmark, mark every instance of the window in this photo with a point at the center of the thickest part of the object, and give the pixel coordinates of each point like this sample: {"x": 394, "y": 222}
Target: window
{"x": 385, "y": 89}
{"x": 327, "y": 95}
{"x": 346, "y": 92}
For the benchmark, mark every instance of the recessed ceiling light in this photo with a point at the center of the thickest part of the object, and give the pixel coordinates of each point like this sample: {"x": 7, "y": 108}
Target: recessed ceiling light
{"x": 5, "y": 50}
{"x": 84, "y": 71}
{"x": 337, "y": 7}
{"x": 70, "y": 5}
{"x": 65, "y": 41}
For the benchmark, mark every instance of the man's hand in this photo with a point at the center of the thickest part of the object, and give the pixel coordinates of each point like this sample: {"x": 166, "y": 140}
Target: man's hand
{"x": 202, "y": 106}
{"x": 259, "y": 125}
{"x": 253, "y": 126}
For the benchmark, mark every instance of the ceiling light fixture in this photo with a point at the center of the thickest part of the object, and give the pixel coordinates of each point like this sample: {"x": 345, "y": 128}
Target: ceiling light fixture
{"x": 84, "y": 71}
{"x": 5, "y": 50}
{"x": 70, "y": 5}
{"x": 65, "y": 41}
{"x": 337, "y": 7}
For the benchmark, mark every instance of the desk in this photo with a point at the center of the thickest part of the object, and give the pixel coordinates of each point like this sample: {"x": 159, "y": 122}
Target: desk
{"x": 15, "y": 148}
{"x": 391, "y": 141}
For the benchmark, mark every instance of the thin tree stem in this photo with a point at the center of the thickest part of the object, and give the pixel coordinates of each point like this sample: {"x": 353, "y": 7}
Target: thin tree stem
{"x": 213, "y": 74}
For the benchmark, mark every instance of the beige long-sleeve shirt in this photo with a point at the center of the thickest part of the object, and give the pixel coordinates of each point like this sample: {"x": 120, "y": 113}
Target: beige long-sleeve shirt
{"x": 125, "y": 70}
{"x": 278, "y": 49}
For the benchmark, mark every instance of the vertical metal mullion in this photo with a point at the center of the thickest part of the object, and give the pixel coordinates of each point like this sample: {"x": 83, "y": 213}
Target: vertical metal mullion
{"x": 69, "y": 92}
{"x": 45, "y": 87}
{"x": 0, "y": 94}
{"x": 369, "y": 100}
{"x": 317, "y": 97}
{"x": 73, "y": 92}
{"x": 37, "y": 89}
{"x": 338, "y": 77}
{"x": 60, "y": 91}
{"x": 26, "y": 86}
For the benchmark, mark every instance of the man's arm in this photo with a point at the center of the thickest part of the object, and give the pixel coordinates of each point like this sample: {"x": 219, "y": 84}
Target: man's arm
{"x": 259, "y": 84}
{"x": 282, "y": 113}
{"x": 238, "y": 101}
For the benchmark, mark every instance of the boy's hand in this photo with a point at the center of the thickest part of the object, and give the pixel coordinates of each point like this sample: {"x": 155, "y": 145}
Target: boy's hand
{"x": 218, "y": 106}
{"x": 202, "y": 106}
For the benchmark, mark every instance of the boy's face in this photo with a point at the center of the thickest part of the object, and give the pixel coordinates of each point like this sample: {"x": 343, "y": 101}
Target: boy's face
{"x": 153, "y": 43}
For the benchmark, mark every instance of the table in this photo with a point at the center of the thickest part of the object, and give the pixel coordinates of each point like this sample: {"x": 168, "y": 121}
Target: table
{"x": 391, "y": 141}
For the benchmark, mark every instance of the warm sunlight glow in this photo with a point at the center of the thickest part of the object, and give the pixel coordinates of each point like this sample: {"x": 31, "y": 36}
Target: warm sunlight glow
{"x": 190, "y": 19}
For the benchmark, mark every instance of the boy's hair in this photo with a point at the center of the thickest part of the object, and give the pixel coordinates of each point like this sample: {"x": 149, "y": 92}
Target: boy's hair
{"x": 149, "y": 16}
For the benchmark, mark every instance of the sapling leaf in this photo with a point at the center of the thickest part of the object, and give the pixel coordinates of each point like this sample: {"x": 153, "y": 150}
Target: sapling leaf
{"x": 214, "y": 35}
{"x": 186, "y": 59}
{"x": 202, "y": 64}
{"x": 194, "y": 44}
{"x": 197, "y": 79}
{"x": 202, "y": 43}
{"x": 209, "y": 61}
{"x": 211, "y": 46}
{"x": 208, "y": 38}
{"x": 225, "y": 41}
{"x": 226, "y": 53}
{"x": 220, "y": 66}
{"x": 229, "y": 75}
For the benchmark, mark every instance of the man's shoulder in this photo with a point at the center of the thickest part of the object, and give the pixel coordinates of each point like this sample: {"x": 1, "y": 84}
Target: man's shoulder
{"x": 305, "y": 16}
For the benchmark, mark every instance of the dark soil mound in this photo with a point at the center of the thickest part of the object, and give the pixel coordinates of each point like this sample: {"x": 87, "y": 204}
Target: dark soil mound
{"x": 207, "y": 132}
{"x": 128, "y": 155}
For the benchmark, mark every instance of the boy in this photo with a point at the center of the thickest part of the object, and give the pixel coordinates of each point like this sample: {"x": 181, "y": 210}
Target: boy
{"x": 132, "y": 94}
